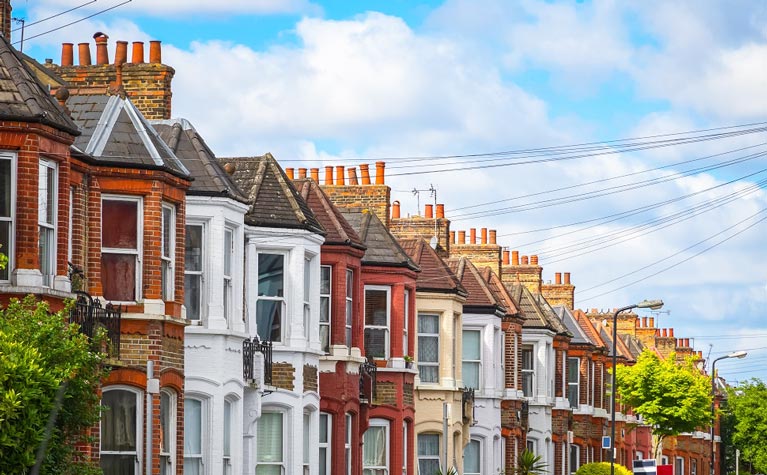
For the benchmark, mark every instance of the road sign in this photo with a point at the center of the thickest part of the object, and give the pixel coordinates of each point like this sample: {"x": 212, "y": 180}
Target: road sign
{"x": 606, "y": 442}
{"x": 645, "y": 467}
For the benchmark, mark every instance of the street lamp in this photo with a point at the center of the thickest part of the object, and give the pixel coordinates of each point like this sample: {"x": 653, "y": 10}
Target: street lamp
{"x": 736, "y": 354}
{"x": 653, "y": 305}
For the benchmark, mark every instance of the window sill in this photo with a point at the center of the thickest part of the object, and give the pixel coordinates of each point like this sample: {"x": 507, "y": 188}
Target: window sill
{"x": 25, "y": 290}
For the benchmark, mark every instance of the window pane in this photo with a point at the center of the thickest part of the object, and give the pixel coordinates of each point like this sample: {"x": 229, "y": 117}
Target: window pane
{"x": 307, "y": 279}
{"x": 165, "y": 422}
{"x": 192, "y": 295}
{"x": 119, "y": 224}
{"x": 193, "y": 248}
{"x": 46, "y": 253}
{"x": 375, "y": 307}
{"x": 471, "y": 375}
{"x": 428, "y": 349}
{"x": 375, "y": 342}
{"x": 269, "y": 442}
{"x": 572, "y": 370}
{"x": 192, "y": 427}
{"x": 45, "y": 194}
{"x": 118, "y": 464}
{"x": 428, "y": 324}
{"x": 227, "y": 428}
{"x": 471, "y": 345}
{"x": 167, "y": 226}
{"x": 118, "y": 276}
{"x": 5, "y": 188}
{"x": 428, "y": 453}
{"x": 270, "y": 275}
{"x": 323, "y": 428}
{"x": 228, "y": 248}
{"x": 325, "y": 280}
{"x": 269, "y": 319}
{"x": 471, "y": 458}
{"x": 118, "y": 421}
{"x": 349, "y": 283}
{"x": 527, "y": 359}
{"x": 374, "y": 447}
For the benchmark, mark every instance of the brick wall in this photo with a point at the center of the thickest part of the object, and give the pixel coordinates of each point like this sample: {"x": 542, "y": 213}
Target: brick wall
{"x": 408, "y": 394}
{"x": 283, "y": 375}
{"x": 524, "y": 272}
{"x": 310, "y": 378}
{"x": 375, "y": 198}
{"x": 559, "y": 294}
{"x": 386, "y": 393}
{"x": 424, "y": 228}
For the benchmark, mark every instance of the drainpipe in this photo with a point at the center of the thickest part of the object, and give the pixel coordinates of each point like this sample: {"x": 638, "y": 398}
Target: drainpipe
{"x": 445, "y": 433}
{"x": 152, "y": 388}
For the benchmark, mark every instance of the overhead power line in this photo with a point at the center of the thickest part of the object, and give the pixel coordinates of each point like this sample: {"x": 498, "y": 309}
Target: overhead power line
{"x": 54, "y": 16}
{"x": 76, "y": 21}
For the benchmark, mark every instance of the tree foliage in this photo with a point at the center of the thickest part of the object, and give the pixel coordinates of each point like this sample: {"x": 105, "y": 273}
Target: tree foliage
{"x": 747, "y": 405}
{"x": 601, "y": 468}
{"x": 671, "y": 397}
{"x": 39, "y": 353}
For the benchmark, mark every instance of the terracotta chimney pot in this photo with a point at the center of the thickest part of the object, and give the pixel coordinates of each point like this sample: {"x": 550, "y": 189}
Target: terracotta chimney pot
{"x": 534, "y": 260}
{"x": 671, "y": 332}
{"x": 657, "y": 332}
{"x": 395, "y": 210}
{"x": 484, "y": 236}
{"x": 506, "y": 258}
{"x": 428, "y": 211}
{"x": 301, "y": 173}
{"x": 524, "y": 260}
{"x": 102, "y": 55}
{"x": 84, "y": 54}
{"x": 472, "y": 235}
{"x": 380, "y": 166}
{"x": 352, "y": 172}
{"x": 440, "y": 211}
{"x": 652, "y": 322}
{"x": 67, "y": 54}
{"x": 290, "y": 173}
{"x": 567, "y": 278}
{"x": 515, "y": 258}
{"x": 121, "y": 52}
{"x": 137, "y": 56}
{"x": 461, "y": 237}
{"x": 665, "y": 333}
{"x": 452, "y": 237}
{"x": 558, "y": 278}
{"x": 644, "y": 322}
{"x": 328, "y": 175}
{"x": 340, "y": 180}
{"x": 493, "y": 236}
{"x": 365, "y": 172}
{"x": 155, "y": 52}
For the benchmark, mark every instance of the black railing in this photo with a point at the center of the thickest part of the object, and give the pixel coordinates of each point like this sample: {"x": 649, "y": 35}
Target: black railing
{"x": 249, "y": 348}
{"x": 467, "y": 398}
{"x": 90, "y": 315}
{"x": 368, "y": 371}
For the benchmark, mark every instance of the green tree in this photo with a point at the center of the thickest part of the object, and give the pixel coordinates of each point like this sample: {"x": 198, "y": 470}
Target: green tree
{"x": 747, "y": 405}
{"x": 601, "y": 468}
{"x": 671, "y": 397}
{"x": 530, "y": 464}
{"x": 43, "y": 358}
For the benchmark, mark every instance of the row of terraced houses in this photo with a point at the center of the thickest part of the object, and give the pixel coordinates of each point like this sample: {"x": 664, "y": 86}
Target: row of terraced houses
{"x": 277, "y": 321}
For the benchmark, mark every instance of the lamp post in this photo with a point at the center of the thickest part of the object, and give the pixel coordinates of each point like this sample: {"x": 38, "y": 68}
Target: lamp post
{"x": 736, "y": 354}
{"x": 653, "y": 305}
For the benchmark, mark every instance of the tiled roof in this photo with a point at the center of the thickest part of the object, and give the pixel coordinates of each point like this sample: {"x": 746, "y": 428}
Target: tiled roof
{"x": 435, "y": 275}
{"x": 22, "y": 96}
{"x": 588, "y": 328}
{"x": 210, "y": 179}
{"x": 382, "y": 247}
{"x": 551, "y": 316}
{"x": 633, "y": 344}
{"x": 274, "y": 201}
{"x": 579, "y": 336}
{"x": 114, "y": 131}
{"x": 606, "y": 334}
{"x": 480, "y": 296}
{"x": 338, "y": 229}
{"x": 502, "y": 295}
{"x": 534, "y": 315}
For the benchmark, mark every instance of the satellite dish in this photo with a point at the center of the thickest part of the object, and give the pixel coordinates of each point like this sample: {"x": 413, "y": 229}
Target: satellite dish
{"x": 433, "y": 242}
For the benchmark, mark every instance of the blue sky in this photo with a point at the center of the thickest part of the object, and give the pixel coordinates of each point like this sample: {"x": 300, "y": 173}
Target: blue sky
{"x": 324, "y": 82}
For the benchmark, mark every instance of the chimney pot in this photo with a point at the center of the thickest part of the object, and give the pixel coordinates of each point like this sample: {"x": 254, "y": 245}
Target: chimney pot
{"x": 428, "y": 211}
{"x": 493, "y": 236}
{"x": 637, "y": 323}
{"x": 452, "y": 237}
{"x": 155, "y": 52}
{"x": 440, "y": 211}
{"x": 567, "y": 278}
{"x": 534, "y": 260}
{"x": 121, "y": 52}
{"x": 558, "y": 278}
{"x": 365, "y": 172}
{"x": 315, "y": 174}
{"x": 138, "y": 52}
{"x": 380, "y": 166}
{"x": 352, "y": 172}
{"x": 687, "y": 342}
{"x": 340, "y": 180}
{"x": 395, "y": 210}
{"x": 472, "y": 235}
{"x": 301, "y": 173}
{"x": 290, "y": 173}
{"x": 515, "y": 258}
{"x": 461, "y": 237}
{"x": 644, "y": 322}
{"x": 671, "y": 332}
{"x": 84, "y": 54}
{"x": 665, "y": 333}
{"x": 524, "y": 260}
{"x": 102, "y": 55}
{"x": 506, "y": 257}
{"x": 657, "y": 332}
{"x": 67, "y": 54}
{"x": 328, "y": 175}
{"x": 652, "y": 322}
{"x": 484, "y": 236}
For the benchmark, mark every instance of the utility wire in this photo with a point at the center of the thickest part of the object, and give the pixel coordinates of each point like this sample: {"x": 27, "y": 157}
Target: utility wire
{"x": 76, "y": 21}
{"x": 27, "y": 25}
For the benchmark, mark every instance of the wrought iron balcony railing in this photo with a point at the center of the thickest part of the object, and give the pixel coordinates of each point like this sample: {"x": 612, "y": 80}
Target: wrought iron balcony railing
{"x": 368, "y": 371}
{"x": 249, "y": 348}
{"x": 467, "y": 397}
{"x": 91, "y": 316}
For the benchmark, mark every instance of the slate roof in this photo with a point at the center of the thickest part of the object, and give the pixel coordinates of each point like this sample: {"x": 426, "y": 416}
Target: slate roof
{"x": 495, "y": 284}
{"x": 580, "y": 337}
{"x": 274, "y": 201}
{"x": 210, "y": 179}
{"x": 382, "y": 247}
{"x": 22, "y": 96}
{"x": 551, "y": 316}
{"x": 338, "y": 229}
{"x": 536, "y": 310}
{"x": 481, "y": 299}
{"x": 606, "y": 334}
{"x": 435, "y": 275}
{"x": 588, "y": 327}
{"x": 115, "y": 132}
{"x": 633, "y": 344}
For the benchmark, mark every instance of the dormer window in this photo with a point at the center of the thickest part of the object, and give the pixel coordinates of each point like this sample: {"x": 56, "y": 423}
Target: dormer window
{"x": 271, "y": 296}
{"x": 121, "y": 248}
{"x": 7, "y": 192}
{"x": 46, "y": 220}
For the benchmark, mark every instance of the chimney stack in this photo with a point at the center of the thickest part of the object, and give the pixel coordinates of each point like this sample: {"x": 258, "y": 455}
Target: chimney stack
{"x": 102, "y": 55}
{"x": 315, "y": 174}
{"x": 671, "y": 332}
{"x": 155, "y": 52}
{"x": 365, "y": 172}
{"x": 380, "y": 166}
{"x": 440, "y": 211}
{"x": 652, "y": 322}
{"x": 428, "y": 211}
{"x": 558, "y": 278}
{"x": 84, "y": 54}
{"x": 328, "y": 175}
{"x": 67, "y": 54}
{"x": 395, "y": 210}
{"x": 301, "y": 173}
{"x": 138, "y": 52}
{"x": 515, "y": 258}
{"x": 644, "y": 322}
{"x": 5, "y": 18}
{"x": 340, "y": 180}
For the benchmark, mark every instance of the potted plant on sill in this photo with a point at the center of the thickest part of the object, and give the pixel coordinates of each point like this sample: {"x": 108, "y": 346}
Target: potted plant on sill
{"x": 408, "y": 361}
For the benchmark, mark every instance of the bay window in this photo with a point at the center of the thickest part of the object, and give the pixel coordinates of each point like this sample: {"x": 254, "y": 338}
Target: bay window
{"x": 7, "y": 196}
{"x": 193, "y": 271}
{"x": 270, "y": 456}
{"x": 168, "y": 251}
{"x": 472, "y": 458}
{"x": 121, "y": 248}
{"x": 573, "y": 381}
{"x": 375, "y": 448}
{"x": 194, "y": 439}
{"x": 120, "y": 431}
{"x": 377, "y": 320}
{"x": 428, "y": 453}
{"x": 348, "y": 444}
{"x": 326, "y": 274}
{"x": 472, "y": 358}
{"x": 167, "y": 431}
{"x": 46, "y": 220}
{"x": 528, "y": 371}
{"x": 428, "y": 348}
{"x": 271, "y": 296}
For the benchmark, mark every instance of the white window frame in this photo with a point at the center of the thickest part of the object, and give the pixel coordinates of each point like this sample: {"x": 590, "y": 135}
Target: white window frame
{"x": 664, "y": 459}
{"x": 680, "y": 462}
{"x": 349, "y": 428}
{"x": 169, "y": 456}
{"x": 531, "y": 445}
{"x": 227, "y": 301}
{"x": 285, "y": 291}
{"x": 405, "y": 425}
{"x": 430, "y": 364}
{"x": 479, "y": 454}
{"x": 167, "y": 268}
{"x": 139, "y": 251}
{"x": 478, "y": 362}
{"x": 199, "y": 274}
{"x": 70, "y": 223}
{"x": 693, "y": 466}
{"x": 387, "y": 440}
{"x": 307, "y": 436}
{"x": 437, "y": 457}
{"x": 43, "y": 226}
{"x": 284, "y": 421}
{"x": 308, "y": 281}
{"x": 326, "y": 446}
{"x": 226, "y": 458}
{"x": 386, "y": 328}
{"x": 201, "y": 458}
{"x": 11, "y": 218}
{"x": 349, "y": 309}
{"x": 575, "y": 451}
{"x": 573, "y": 384}
{"x": 138, "y": 453}
{"x": 528, "y": 372}
{"x": 405, "y": 349}
{"x": 326, "y": 299}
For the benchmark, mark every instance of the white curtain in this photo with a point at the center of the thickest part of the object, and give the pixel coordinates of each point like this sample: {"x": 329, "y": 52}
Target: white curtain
{"x": 471, "y": 458}
{"x": 428, "y": 454}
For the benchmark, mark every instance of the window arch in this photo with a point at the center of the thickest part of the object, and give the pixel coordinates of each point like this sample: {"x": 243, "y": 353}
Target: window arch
{"x": 121, "y": 425}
